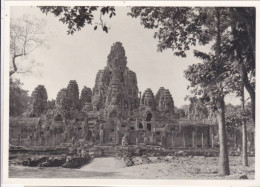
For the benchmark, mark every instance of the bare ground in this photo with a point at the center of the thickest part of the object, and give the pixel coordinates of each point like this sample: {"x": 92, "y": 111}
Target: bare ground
{"x": 190, "y": 168}
{"x": 197, "y": 167}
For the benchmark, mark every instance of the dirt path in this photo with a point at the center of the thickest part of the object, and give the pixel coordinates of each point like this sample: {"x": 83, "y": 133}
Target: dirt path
{"x": 108, "y": 164}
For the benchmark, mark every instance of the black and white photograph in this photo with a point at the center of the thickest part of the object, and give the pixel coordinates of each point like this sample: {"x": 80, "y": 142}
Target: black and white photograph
{"x": 130, "y": 92}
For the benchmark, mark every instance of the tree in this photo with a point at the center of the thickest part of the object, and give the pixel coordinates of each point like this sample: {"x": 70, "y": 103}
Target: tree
{"x": 185, "y": 108}
{"x": 175, "y": 28}
{"x": 197, "y": 108}
{"x": 243, "y": 30}
{"x": 179, "y": 113}
{"x": 178, "y": 28}
{"x": 19, "y": 99}
{"x": 26, "y": 35}
{"x": 210, "y": 78}
{"x": 179, "y": 37}
{"x": 210, "y": 85}
{"x": 78, "y": 16}
{"x": 237, "y": 116}
{"x": 244, "y": 129}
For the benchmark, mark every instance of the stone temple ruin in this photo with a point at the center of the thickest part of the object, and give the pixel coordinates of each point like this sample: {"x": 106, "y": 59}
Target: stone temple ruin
{"x": 113, "y": 110}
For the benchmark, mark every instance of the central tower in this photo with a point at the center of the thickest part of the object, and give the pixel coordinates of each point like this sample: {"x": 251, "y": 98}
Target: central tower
{"x": 116, "y": 90}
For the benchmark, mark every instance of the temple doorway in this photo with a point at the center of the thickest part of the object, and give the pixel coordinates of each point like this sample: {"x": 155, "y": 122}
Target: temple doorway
{"x": 149, "y": 127}
{"x": 149, "y": 117}
{"x": 141, "y": 126}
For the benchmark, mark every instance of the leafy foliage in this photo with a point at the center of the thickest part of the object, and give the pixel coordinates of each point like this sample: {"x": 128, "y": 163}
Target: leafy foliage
{"x": 233, "y": 115}
{"x": 178, "y": 28}
{"x": 197, "y": 109}
{"x": 179, "y": 113}
{"x": 19, "y": 99}
{"x": 175, "y": 29}
{"x": 79, "y": 16}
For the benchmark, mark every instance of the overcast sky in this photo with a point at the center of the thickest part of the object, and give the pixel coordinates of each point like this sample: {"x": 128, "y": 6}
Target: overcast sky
{"x": 80, "y": 56}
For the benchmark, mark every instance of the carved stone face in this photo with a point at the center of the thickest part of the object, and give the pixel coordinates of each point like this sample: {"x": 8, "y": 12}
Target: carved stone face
{"x": 114, "y": 93}
{"x": 62, "y": 102}
{"x": 114, "y": 101}
{"x": 116, "y": 62}
{"x": 149, "y": 102}
{"x": 168, "y": 105}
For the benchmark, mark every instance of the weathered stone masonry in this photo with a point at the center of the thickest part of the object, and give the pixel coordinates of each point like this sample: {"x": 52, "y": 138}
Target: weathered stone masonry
{"x": 114, "y": 109}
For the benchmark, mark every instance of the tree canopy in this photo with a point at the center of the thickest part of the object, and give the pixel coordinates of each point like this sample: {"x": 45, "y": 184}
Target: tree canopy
{"x": 19, "y": 99}
{"x": 78, "y": 17}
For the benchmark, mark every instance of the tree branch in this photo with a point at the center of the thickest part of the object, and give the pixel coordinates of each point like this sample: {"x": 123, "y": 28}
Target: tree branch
{"x": 14, "y": 64}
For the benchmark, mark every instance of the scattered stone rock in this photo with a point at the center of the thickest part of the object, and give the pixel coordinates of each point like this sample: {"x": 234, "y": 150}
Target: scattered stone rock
{"x": 44, "y": 161}
{"x": 170, "y": 157}
{"x": 243, "y": 177}
{"x": 76, "y": 162}
{"x": 128, "y": 161}
{"x": 34, "y": 161}
{"x": 53, "y": 162}
{"x": 181, "y": 153}
{"x": 145, "y": 160}
{"x": 94, "y": 152}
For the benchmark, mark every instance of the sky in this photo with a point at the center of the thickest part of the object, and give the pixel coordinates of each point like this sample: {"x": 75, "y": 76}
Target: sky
{"x": 80, "y": 56}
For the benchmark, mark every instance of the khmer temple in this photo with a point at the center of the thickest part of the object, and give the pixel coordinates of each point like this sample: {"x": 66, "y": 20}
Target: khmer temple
{"x": 115, "y": 109}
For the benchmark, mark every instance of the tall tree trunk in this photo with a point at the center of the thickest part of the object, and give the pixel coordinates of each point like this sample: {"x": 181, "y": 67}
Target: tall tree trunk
{"x": 223, "y": 152}
{"x": 250, "y": 24}
{"x": 250, "y": 90}
{"x": 250, "y": 27}
{"x": 244, "y": 130}
{"x": 244, "y": 144}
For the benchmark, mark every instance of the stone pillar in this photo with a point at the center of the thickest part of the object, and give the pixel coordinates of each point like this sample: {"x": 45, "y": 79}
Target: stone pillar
{"x": 172, "y": 139}
{"x": 101, "y": 136}
{"x": 42, "y": 140}
{"x": 117, "y": 137}
{"x": 19, "y": 141}
{"x": 152, "y": 138}
{"x": 236, "y": 141}
{"x": 212, "y": 140}
{"x": 202, "y": 140}
{"x": 145, "y": 140}
{"x": 193, "y": 139}
{"x": 164, "y": 139}
{"x": 86, "y": 128}
{"x": 208, "y": 136}
{"x": 184, "y": 141}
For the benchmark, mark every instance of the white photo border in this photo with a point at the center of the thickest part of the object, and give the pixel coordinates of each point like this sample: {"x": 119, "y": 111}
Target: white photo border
{"x": 117, "y": 182}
